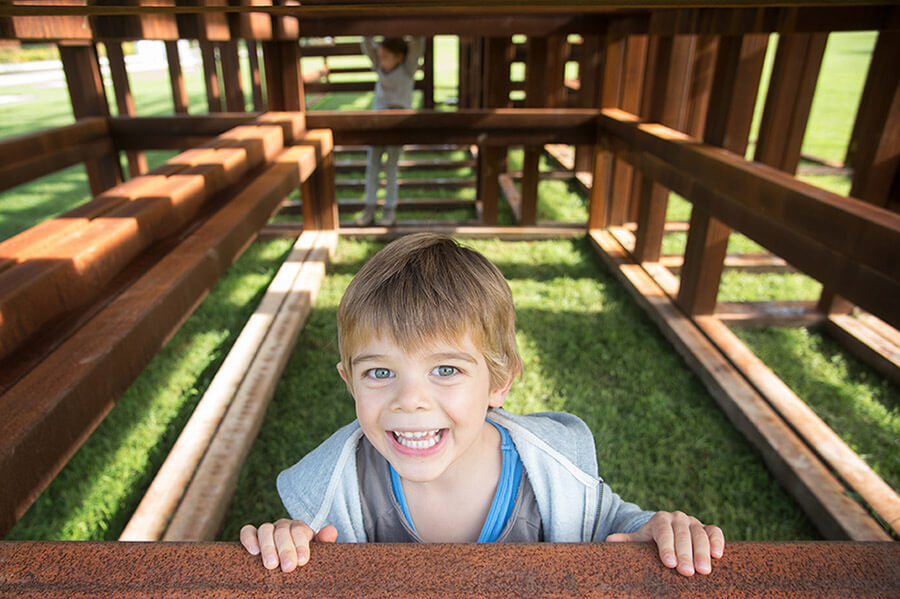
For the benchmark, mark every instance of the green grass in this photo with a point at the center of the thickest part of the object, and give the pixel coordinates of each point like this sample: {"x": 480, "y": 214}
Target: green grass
{"x": 153, "y": 96}
{"x": 739, "y": 285}
{"x": 16, "y": 53}
{"x": 44, "y": 198}
{"x": 588, "y": 350}
{"x": 837, "y": 94}
{"x": 43, "y": 105}
{"x": 558, "y": 201}
{"x": 94, "y": 495}
{"x": 853, "y": 400}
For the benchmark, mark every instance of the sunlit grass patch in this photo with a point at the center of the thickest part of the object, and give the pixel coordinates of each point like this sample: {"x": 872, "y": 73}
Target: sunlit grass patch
{"x": 860, "y": 405}
{"x": 33, "y": 202}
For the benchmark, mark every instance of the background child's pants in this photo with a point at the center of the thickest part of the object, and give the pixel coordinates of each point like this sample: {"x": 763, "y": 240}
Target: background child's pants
{"x": 373, "y": 168}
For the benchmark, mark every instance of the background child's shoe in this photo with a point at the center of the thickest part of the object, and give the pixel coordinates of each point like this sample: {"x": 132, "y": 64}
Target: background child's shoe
{"x": 367, "y": 218}
{"x": 387, "y": 217}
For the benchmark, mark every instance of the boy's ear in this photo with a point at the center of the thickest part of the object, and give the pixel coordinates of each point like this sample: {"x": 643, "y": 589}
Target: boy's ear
{"x": 343, "y": 373}
{"x": 498, "y": 396}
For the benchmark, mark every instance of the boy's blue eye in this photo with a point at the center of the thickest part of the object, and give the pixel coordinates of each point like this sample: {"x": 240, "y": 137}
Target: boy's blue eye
{"x": 380, "y": 373}
{"x": 445, "y": 370}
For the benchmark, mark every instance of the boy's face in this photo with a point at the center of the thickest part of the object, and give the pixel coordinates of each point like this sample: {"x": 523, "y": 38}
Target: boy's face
{"x": 388, "y": 60}
{"x": 425, "y": 412}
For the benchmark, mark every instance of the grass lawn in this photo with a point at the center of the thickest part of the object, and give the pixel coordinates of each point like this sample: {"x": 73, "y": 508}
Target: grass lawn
{"x": 661, "y": 440}
{"x": 94, "y": 495}
{"x": 588, "y": 350}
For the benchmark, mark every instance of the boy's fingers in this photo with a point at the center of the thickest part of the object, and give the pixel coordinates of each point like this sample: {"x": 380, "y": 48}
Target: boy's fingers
{"x": 266, "y": 539}
{"x": 285, "y": 542}
{"x": 328, "y": 534}
{"x": 700, "y": 540}
{"x": 684, "y": 546}
{"x": 716, "y": 541}
{"x": 664, "y": 536}
{"x": 249, "y": 539}
{"x": 301, "y": 534}
{"x": 286, "y": 545}
{"x": 683, "y": 541}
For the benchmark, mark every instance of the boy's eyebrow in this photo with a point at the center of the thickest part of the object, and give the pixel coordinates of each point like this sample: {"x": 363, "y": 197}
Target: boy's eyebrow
{"x": 438, "y": 356}
{"x": 367, "y": 357}
{"x": 454, "y": 356}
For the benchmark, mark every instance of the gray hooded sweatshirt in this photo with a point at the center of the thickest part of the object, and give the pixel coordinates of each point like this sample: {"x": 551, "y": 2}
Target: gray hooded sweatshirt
{"x": 557, "y": 451}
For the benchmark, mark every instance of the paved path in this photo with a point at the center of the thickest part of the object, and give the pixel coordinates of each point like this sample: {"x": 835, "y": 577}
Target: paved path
{"x": 50, "y": 72}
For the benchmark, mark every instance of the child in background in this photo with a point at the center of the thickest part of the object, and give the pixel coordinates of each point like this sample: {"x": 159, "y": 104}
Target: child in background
{"x": 395, "y": 62}
{"x": 426, "y": 333}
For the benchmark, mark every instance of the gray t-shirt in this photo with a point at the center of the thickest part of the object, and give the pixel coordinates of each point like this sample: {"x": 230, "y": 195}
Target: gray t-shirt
{"x": 394, "y": 89}
{"x": 384, "y": 521}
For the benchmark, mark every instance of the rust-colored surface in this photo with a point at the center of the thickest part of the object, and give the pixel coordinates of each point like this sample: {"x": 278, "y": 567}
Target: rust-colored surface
{"x": 45, "y": 280}
{"x": 51, "y": 409}
{"x": 123, "y": 570}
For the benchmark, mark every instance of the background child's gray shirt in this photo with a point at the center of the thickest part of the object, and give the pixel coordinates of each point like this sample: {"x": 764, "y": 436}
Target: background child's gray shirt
{"x": 395, "y": 89}
{"x": 558, "y": 454}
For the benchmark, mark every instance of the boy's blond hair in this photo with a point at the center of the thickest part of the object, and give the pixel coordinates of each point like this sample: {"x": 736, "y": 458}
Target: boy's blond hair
{"x": 427, "y": 287}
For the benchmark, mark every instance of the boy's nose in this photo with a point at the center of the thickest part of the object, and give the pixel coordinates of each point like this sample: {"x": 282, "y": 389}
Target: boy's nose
{"x": 411, "y": 396}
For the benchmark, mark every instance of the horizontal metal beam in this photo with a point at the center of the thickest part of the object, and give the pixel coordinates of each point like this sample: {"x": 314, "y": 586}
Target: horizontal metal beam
{"x": 470, "y": 17}
{"x": 842, "y": 242}
{"x": 124, "y": 570}
{"x": 55, "y": 405}
{"x": 394, "y": 127}
{"x": 819, "y": 492}
{"x": 33, "y": 155}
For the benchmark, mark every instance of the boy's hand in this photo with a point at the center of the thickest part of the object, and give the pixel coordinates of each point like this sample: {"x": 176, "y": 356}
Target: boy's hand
{"x": 286, "y": 542}
{"x": 683, "y": 541}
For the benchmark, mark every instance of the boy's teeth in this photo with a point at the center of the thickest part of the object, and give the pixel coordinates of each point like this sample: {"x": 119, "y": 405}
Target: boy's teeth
{"x": 418, "y": 439}
{"x": 418, "y": 434}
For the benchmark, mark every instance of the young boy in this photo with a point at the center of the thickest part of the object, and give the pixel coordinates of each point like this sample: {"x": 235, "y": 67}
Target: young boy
{"x": 428, "y": 351}
{"x": 395, "y": 62}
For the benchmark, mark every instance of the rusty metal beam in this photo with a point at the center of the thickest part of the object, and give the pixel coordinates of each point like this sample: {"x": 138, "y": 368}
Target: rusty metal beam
{"x": 423, "y": 17}
{"x": 465, "y": 127}
{"x": 33, "y": 155}
{"x": 122, "y": 570}
{"x": 48, "y": 417}
{"x": 816, "y": 231}
{"x": 822, "y": 496}
{"x": 86, "y": 92}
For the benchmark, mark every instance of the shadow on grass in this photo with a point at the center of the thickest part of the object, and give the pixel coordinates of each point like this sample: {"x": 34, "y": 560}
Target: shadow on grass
{"x": 95, "y": 494}
{"x": 60, "y": 511}
{"x": 310, "y": 403}
{"x": 661, "y": 440}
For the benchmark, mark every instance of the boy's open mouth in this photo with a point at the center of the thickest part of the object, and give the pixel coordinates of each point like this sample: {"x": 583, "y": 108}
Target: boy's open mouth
{"x": 418, "y": 439}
